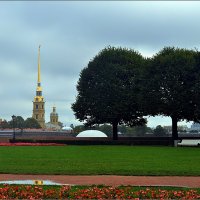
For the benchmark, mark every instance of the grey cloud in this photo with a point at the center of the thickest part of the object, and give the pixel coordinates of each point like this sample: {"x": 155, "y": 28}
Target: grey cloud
{"x": 72, "y": 33}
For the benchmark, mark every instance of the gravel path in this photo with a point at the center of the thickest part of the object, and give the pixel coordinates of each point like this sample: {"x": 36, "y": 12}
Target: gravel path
{"x": 111, "y": 180}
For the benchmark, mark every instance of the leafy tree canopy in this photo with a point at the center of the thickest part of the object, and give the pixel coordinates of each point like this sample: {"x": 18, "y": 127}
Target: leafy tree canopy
{"x": 19, "y": 122}
{"x": 159, "y": 131}
{"x": 32, "y": 123}
{"x": 168, "y": 81}
{"x": 107, "y": 89}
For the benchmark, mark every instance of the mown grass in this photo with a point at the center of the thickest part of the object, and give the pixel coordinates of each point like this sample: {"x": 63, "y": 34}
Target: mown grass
{"x": 93, "y": 160}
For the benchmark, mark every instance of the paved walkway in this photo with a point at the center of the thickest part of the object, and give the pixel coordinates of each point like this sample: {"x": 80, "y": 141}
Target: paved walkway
{"x": 111, "y": 180}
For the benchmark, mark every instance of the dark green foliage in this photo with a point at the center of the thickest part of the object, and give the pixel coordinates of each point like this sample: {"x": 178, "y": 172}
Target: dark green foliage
{"x": 31, "y": 123}
{"x": 19, "y": 122}
{"x": 167, "y": 85}
{"x": 119, "y": 87}
{"x": 124, "y": 130}
{"x": 138, "y": 130}
{"x": 4, "y": 124}
{"x": 105, "y": 128}
{"x": 195, "y": 88}
{"x": 79, "y": 128}
{"x": 193, "y": 131}
{"x": 72, "y": 126}
{"x": 159, "y": 131}
{"x": 107, "y": 89}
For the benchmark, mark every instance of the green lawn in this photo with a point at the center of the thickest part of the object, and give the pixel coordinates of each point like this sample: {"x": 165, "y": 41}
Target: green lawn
{"x": 119, "y": 160}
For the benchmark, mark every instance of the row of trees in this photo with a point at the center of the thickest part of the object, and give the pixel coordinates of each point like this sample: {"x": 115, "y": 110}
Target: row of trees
{"x": 120, "y": 86}
{"x": 125, "y": 130}
{"x": 20, "y": 123}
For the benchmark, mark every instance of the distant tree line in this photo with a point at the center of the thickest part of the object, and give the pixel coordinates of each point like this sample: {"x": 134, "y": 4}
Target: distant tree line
{"x": 131, "y": 131}
{"x": 20, "y": 123}
{"x": 120, "y": 87}
{"x": 137, "y": 131}
{"x": 122, "y": 129}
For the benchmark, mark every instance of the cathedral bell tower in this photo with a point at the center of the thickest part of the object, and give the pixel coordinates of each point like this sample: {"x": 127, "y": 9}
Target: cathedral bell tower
{"x": 54, "y": 117}
{"x": 38, "y": 102}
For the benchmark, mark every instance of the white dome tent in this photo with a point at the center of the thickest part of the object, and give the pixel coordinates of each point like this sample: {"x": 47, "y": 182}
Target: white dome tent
{"x": 67, "y": 128}
{"x": 91, "y": 133}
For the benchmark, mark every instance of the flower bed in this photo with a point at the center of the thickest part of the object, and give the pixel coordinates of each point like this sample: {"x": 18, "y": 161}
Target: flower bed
{"x": 29, "y": 144}
{"x": 93, "y": 192}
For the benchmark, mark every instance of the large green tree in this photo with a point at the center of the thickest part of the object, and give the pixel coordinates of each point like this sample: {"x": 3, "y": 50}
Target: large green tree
{"x": 195, "y": 88}
{"x": 4, "y": 124}
{"x": 31, "y": 123}
{"x": 19, "y": 122}
{"x": 159, "y": 131}
{"x": 167, "y": 85}
{"x": 107, "y": 89}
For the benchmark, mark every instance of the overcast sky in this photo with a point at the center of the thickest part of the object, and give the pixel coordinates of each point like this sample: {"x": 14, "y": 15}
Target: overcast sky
{"x": 73, "y": 32}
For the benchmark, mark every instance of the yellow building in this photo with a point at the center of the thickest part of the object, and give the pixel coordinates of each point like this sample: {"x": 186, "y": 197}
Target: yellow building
{"x": 38, "y": 102}
{"x": 54, "y": 117}
{"x": 53, "y": 124}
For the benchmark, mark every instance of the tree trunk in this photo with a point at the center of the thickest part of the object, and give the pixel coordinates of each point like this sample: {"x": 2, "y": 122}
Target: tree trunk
{"x": 174, "y": 129}
{"x": 115, "y": 131}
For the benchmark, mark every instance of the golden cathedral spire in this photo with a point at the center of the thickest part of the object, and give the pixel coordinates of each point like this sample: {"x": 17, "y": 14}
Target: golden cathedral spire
{"x": 39, "y": 79}
{"x": 39, "y": 103}
{"x": 39, "y": 88}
